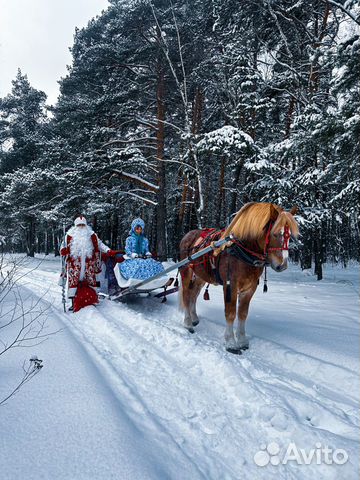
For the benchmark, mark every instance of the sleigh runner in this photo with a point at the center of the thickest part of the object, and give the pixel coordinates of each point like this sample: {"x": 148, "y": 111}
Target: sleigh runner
{"x": 131, "y": 286}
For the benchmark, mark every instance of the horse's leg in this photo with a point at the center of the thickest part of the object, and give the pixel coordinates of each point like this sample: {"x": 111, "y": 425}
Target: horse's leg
{"x": 243, "y": 307}
{"x": 196, "y": 289}
{"x": 230, "y": 314}
{"x": 187, "y": 297}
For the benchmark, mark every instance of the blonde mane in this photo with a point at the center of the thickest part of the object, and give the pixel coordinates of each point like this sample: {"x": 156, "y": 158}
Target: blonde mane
{"x": 249, "y": 223}
{"x": 286, "y": 218}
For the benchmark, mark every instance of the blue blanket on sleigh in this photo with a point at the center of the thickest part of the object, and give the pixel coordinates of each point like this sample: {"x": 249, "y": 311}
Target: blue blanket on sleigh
{"x": 140, "y": 268}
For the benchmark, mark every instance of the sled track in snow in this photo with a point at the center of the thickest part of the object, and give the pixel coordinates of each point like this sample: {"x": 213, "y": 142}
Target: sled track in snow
{"x": 188, "y": 391}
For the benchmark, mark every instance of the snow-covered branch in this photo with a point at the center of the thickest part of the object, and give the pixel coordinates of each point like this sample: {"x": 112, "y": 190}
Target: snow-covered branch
{"x": 135, "y": 179}
{"x": 139, "y": 197}
{"x": 343, "y": 9}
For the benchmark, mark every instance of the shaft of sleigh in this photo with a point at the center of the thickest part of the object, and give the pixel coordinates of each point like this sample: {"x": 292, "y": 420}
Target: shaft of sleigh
{"x": 181, "y": 264}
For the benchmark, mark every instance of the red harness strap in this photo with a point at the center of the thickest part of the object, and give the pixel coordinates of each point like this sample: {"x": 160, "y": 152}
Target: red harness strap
{"x": 206, "y": 232}
{"x": 208, "y": 235}
{"x": 284, "y": 246}
{"x": 260, "y": 256}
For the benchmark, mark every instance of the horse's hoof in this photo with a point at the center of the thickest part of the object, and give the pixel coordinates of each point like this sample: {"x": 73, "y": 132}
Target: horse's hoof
{"x": 242, "y": 343}
{"x": 190, "y": 330}
{"x": 235, "y": 351}
{"x": 196, "y": 322}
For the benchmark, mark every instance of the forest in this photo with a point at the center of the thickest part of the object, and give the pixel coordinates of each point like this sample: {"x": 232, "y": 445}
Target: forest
{"x": 182, "y": 111}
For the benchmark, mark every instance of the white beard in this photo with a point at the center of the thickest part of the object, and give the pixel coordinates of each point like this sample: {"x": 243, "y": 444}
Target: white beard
{"x": 81, "y": 244}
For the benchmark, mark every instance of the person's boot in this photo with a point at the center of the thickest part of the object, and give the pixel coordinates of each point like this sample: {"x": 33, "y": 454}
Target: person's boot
{"x": 71, "y": 309}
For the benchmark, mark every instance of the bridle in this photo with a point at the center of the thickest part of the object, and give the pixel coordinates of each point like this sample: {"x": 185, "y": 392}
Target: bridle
{"x": 285, "y": 244}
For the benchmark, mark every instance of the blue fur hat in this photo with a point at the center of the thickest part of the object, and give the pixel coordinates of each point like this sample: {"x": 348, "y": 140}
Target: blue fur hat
{"x": 138, "y": 222}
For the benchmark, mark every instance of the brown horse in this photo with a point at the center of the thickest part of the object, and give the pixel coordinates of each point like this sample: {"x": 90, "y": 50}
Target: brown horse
{"x": 261, "y": 234}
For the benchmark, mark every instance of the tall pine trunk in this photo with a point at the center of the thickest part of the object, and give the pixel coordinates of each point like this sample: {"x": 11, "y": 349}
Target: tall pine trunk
{"x": 319, "y": 254}
{"x": 30, "y": 237}
{"x": 55, "y": 241}
{"x": 306, "y": 252}
{"x": 319, "y": 247}
{"x": 46, "y": 241}
{"x": 234, "y": 185}
{"x": 160, "y": 139}
{"x": 179, "y": 225}
{"x": 114, "y": 231}
{"x": 221, "y": 194}
{"x": 184, "y": 209}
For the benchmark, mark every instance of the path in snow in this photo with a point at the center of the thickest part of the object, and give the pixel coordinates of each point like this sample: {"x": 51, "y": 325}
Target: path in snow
{"x": 209, "y": 411}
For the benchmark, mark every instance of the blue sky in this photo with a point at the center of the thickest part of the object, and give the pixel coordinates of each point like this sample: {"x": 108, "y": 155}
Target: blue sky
{"x": 35, "y": 35}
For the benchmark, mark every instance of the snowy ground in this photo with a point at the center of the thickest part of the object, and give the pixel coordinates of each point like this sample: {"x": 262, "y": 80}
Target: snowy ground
{"x": 127, "y": 393}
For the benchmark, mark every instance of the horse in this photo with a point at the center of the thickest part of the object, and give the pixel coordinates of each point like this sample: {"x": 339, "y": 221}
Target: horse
{"x": 260, "y": 234}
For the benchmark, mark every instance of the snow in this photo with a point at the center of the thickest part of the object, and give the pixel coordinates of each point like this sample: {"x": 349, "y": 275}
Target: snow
{"x": 225, "y": 139}
{"x": 127, "y": 393}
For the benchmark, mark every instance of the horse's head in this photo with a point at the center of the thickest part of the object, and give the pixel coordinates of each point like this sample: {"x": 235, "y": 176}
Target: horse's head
{"x": 280, "y": 229}
{"x": 265, "y": 227}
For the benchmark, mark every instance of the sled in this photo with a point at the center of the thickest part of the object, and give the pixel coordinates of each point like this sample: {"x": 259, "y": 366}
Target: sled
{"x": 130, "y": 286}
{"x": 160, "y": 280}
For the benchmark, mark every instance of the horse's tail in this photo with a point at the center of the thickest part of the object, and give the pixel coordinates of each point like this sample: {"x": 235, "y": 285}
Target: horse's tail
{"x": 181, "y": 294}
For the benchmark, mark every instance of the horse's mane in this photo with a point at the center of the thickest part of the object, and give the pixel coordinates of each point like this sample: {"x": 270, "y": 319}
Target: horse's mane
{"x": 250, "y": 222}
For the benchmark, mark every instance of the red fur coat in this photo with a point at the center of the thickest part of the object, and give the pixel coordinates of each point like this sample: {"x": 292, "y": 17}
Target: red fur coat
{"x": 92, "y": 264}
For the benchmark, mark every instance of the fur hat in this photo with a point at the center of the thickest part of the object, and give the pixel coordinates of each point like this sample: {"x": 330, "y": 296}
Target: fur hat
{"x": 80, "y": 221}
{"x": 138, "y": 222}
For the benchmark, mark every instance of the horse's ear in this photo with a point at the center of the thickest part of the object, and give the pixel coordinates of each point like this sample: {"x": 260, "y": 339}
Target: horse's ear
{"x": 273, "y": 213}
{"x": 294, "y": 210}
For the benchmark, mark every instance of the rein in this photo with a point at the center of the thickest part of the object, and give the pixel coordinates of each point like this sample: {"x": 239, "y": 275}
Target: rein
{"x": 252, "y": 258}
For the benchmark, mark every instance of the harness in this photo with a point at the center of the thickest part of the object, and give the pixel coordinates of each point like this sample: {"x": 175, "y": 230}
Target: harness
{"x": 238, "y": 250}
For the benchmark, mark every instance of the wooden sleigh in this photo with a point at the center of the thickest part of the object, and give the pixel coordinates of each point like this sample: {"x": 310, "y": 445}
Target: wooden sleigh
{"x": 162, "y": 280}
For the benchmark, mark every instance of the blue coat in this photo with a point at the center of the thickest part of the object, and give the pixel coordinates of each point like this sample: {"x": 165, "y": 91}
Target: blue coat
{"x": 136, "y": 243}
{"x": 137, "y": 267}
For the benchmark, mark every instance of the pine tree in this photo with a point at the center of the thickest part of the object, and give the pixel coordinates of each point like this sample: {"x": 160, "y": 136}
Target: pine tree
{"x": 23, "y": 125}
{"x": 181, "y": 112}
